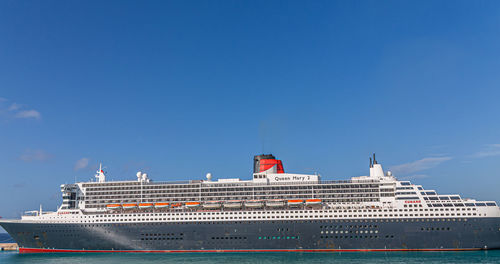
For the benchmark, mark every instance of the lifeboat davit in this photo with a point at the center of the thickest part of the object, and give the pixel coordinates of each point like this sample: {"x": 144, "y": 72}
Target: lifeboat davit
{"x": 254, "y": 204}
{"x": 113, "y": 206}
{"x": 211, "y": 205}
{"x": 313, "y": 201}
{"x": 129, "y": 206}
{"x": 175, "y": 205}
{"x": 295, "y": 202}
{"x": 192, "y": 204}
{"x": 275, "y": 203}
{"x": 232, "y": 204}
{"x": 145, "y": 205}
{"x": 161, "y": 205}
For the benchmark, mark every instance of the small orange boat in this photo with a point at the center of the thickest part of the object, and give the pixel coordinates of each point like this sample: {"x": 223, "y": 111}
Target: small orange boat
{"x": 176, "y": 205}
{"x": 113, "y": 206}
{"x": 145, "y": 205}
{"x": 313, "y": 201}
{"x": 192, "y": 204}
{"x": 129, "y": 206}
{"x": 295, "y": 202}
{"x": 161, "y": 205}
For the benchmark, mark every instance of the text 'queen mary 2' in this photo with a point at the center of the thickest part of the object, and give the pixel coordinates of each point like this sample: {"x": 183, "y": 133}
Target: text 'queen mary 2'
{"x": 274, "y": 211}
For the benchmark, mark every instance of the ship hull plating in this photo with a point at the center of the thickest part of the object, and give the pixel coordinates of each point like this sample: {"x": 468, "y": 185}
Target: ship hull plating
{"x": 259, "y": 236}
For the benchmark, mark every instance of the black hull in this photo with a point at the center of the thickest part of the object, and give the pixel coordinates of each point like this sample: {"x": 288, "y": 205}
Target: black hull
{"x": 272, "y": 235}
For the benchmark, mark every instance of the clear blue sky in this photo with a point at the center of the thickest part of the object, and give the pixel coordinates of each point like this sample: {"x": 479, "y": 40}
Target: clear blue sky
{"x": 179, "y": 89}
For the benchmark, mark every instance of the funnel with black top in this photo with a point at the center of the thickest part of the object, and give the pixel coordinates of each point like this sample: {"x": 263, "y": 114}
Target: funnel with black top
{"x": 267, "y": 163}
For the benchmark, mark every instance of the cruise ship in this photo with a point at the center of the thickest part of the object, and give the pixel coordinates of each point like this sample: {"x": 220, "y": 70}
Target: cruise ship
{"x": 273, "y": 211}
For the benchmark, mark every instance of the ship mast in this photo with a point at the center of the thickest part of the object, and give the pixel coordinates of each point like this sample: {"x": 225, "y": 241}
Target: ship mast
{"x": 100, "y": 174}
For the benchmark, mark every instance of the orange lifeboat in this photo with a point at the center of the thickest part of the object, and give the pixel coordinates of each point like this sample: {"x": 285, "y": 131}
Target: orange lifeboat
{"x": 175, "y": 205}
{"x": 295, "y": 202}
{"x": 313, "y": 201}
{"x": 145, "y": 205}
{"x": 161, "y": 205}
{"x": 192, "y": 204}
{"x": 113, "y": 206}
{"x": 129, "y": 206}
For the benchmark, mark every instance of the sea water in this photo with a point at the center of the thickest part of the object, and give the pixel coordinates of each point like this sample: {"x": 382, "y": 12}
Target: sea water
{"x": 491, "y": 256}
{"x": 243, "y": 258}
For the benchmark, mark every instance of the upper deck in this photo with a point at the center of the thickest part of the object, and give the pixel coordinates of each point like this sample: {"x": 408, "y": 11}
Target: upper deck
{"x": 269, "y": 182}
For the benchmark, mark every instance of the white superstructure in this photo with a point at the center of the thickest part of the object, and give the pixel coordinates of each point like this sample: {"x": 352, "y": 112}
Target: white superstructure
{"x": 270, "y": 194}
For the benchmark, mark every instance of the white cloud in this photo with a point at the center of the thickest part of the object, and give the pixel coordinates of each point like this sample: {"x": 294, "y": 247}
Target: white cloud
{"x": 28, "y": 114}
{"x": 488, "y": 151}
{"x": 14, "y": 107}
{"x": 81, "y": 163}
{"x": 419, "y": 165}
{"x": 35, "y": 155}
{"x": 14, "y": 110}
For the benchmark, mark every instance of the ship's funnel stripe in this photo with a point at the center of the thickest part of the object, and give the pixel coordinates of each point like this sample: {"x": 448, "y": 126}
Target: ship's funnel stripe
{"x": 271, "y": 165}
